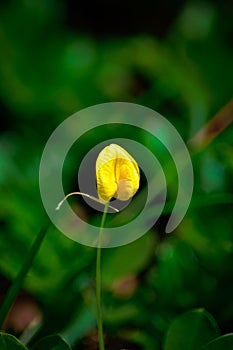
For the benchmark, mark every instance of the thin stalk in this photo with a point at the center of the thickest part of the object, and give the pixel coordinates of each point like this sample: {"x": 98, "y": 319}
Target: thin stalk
{"x": 98, "y": 281}
{"x": 85, "y": 195}
{"x": 17, "y": 283}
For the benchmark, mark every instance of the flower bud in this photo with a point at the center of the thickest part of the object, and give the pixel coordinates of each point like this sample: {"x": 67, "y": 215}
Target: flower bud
{"x": 117, "y": 174}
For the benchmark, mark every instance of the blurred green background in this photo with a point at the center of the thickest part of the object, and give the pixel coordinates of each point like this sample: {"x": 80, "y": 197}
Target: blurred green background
{"x": 58, "y": 57}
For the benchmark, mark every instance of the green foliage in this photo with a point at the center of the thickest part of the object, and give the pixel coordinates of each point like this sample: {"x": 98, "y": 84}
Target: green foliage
{"x": 9, "y": 342}
{"x": 223, "y": 342}
{"x": 196, "y": 330}
{"x": 127, "y": 260}
{"x": 191, "y": 330}
{"x": 52, "y": 342}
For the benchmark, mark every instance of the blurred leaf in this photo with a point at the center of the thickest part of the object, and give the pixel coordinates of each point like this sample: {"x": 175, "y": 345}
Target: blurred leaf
{"x": 224, "y": 342}
{"x": 9, "y": 342}
{"x": 145, "y": 341}
{"x": 121, "y": 314}
{"x": 176, "y": 275}
{"x": 82, "y": 323}
{"x": 128, "y": 259}
{"x": 52, "y": 342}
{"x": 191, "y": 330}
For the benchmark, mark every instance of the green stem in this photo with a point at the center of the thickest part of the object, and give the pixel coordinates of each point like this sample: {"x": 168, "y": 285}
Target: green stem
{"x": 98, "y": 281}
{"x": 17, "y": 283}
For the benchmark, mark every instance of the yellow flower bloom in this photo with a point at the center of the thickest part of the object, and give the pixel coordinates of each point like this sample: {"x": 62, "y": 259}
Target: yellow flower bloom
{"x": 117, "y": 174}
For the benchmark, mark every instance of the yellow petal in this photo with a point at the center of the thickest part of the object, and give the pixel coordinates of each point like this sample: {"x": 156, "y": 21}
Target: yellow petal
{"x": 117, "y": 174}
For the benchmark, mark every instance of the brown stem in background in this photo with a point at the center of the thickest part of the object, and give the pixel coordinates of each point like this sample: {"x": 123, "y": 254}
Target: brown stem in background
{"x": 213, "y": 128}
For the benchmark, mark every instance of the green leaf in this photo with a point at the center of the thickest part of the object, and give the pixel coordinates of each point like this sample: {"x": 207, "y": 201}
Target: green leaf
{"x": 191, "y": 330}
{"x": 128, "y": 259}
{"x": 9, "y": 342}
{"x": 18, "y": 281}
{"x": 52, "y": 342}
{"x": 224, "y": 342}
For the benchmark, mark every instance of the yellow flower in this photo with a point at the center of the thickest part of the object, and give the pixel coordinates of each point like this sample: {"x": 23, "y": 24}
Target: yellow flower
{"x": 117, "y": 174}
